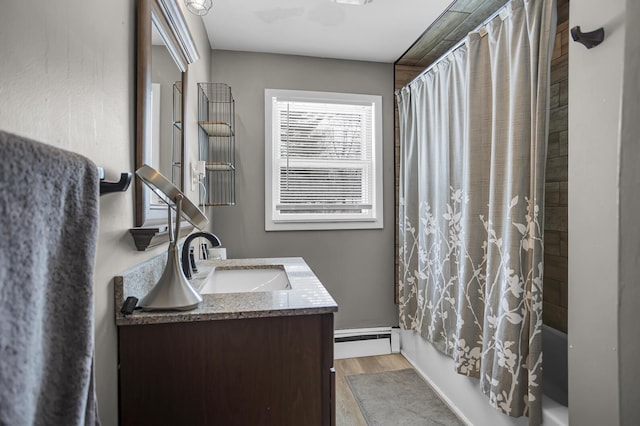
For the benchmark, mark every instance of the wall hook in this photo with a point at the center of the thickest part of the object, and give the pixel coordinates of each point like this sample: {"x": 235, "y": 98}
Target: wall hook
{"x": 590, "y": 39}
{"x": 120, "y": 186}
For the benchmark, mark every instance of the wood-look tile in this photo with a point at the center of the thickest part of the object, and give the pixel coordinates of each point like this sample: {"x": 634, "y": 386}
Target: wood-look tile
{"x": 405, "y": 73}
{"x": 555, "y": 267}
{"x": 562, "y": 26}
{"x": 552, "y": 193}
{"x": 435, "y": 54}
{"x": 563, "y": 142}
{"x": 551, "y": 292}
{"x": 564, "y": 193}
{"x": 557, "y": 47}
{"x": 468, "y": 6}
{"x": 347, "y": 409}
{"x": 554, "y": 316}
{"x": 440, "y": 49}
{"x": 558, "y": 119}
{"x": 556, "y": 218}
{"x": 554, "y": 95}
{"x": 563, "y": 95}
{"x": 564, "y": 244}
{"x": 394, "y": 362}
{"x": 558, "y": 169}
{"x": 484, "y": 10}
{"x": 559, "y": 69}
{"x": 553, "y": 147}
{"x": 353, "y": 366}
{"x": 564, "y": 40}
{"x": 436, "y": 32}
{"x": 563, "y": 11}
{"x": 564, "y": 294}
{"x": 552, "y": 242}
{"x": 371, "y": 364}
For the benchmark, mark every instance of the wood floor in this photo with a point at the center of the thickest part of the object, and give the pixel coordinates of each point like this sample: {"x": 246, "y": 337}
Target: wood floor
{"x": 347, "y": 410}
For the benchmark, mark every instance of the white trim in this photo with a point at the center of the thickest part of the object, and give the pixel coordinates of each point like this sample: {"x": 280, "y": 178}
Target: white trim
{"x": 359, "y": 345}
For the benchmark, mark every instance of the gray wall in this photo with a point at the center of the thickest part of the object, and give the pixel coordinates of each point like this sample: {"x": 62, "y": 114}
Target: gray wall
{"x": 67, "y": 79}
{"x": 356, "y": 266}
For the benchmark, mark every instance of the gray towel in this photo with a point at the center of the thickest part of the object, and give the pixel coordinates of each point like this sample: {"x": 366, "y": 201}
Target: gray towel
{"x": 48, "y": 232}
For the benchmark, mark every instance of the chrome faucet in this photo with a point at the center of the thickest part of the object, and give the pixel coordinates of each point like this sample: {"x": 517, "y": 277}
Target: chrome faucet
{"x": 186, "y": 264}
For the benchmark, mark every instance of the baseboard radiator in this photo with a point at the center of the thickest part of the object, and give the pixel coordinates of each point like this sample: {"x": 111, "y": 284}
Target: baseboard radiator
{"x": 359, "y": 342}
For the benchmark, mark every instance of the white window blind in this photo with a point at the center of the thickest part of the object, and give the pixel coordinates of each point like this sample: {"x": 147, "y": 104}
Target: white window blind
{"x": 323, "y": 163}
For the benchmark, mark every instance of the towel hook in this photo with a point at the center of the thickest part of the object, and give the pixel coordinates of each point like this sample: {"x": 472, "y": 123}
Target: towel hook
{"x": 120, "y": 186}
{"x": 590, "y": 39}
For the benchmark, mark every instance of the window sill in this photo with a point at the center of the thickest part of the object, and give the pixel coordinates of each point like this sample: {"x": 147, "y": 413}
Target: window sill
{"x": 322, "y": 226}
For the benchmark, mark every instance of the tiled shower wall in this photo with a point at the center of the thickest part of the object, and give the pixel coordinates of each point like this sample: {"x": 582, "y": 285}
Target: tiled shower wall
{"x": 556, "y": 226}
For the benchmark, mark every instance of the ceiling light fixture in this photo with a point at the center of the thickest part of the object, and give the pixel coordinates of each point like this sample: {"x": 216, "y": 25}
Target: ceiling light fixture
{"x": 199, "y": 7}
{"x": 353, "y": 2}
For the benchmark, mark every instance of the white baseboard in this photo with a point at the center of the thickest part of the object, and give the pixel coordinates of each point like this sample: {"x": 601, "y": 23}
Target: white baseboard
{"x": 361, "y": 342}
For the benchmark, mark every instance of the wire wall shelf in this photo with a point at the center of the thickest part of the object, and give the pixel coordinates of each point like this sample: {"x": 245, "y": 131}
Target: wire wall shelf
{"x": 216, "y": 136}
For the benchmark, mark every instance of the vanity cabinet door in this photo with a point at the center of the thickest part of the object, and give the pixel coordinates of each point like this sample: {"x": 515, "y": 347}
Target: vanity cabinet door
{"x": 257, "y": 371}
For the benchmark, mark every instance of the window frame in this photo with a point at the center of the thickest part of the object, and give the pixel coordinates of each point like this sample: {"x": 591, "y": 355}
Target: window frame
{"x": 275, "y": 223}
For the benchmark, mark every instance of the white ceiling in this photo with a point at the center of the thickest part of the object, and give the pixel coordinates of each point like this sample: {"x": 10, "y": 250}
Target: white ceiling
{"x": 380, "y": 31}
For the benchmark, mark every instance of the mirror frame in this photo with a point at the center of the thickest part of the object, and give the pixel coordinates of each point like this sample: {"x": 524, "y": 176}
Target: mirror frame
{"x": 170, "y": 23}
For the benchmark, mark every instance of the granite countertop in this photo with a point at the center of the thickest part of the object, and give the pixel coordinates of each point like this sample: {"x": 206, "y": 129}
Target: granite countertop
{"x": 307, "y": 295}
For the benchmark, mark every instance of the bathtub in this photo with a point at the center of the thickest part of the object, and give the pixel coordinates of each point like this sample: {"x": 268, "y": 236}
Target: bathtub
{"x": 554, "y": 374}
{"x": 463, "y": 394}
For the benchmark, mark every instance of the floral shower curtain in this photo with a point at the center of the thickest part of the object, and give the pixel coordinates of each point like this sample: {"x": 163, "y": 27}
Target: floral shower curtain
{"x": 473, "y": 134}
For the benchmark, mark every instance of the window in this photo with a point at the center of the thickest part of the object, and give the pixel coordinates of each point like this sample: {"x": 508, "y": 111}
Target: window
{"x": 323, "y": 160}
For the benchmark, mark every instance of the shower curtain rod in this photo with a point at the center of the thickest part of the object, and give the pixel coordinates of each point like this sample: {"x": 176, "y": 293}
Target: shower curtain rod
{"x": 458, "y": 44}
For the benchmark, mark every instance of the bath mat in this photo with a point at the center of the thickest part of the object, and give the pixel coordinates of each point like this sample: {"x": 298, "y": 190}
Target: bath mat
{"x": 399, "y": 397}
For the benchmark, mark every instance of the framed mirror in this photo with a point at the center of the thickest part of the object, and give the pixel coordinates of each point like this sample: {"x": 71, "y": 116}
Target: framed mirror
{"x": 165, "y": 48}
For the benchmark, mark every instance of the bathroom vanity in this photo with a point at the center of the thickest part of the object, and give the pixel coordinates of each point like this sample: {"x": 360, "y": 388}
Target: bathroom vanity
{"x": 249, "y": 358}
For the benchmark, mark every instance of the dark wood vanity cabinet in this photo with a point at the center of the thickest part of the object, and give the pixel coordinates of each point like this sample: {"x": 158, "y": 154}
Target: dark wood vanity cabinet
{"x": 252, "y": 371}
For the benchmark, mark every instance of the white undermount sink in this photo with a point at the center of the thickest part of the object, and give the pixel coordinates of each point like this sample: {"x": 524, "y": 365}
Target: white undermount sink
{"x": 246, "y": 279}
